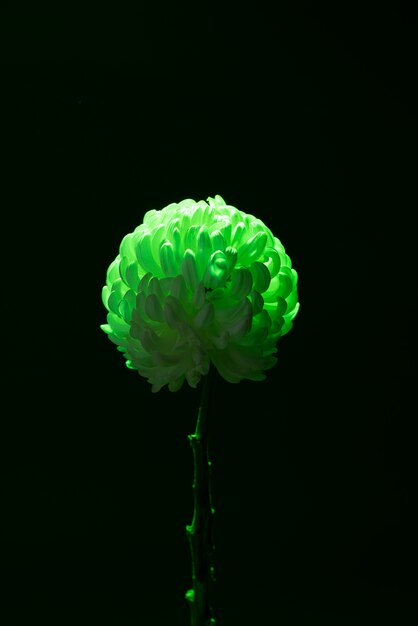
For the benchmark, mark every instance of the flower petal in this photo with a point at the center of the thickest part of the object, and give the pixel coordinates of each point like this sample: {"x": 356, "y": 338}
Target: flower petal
{"x": 174, "y": 312}
{"x": 241, "y": 283}
{"x": 272, "y": 261}
{"x": 205, "y": 316}
{"x": 217, "y": 241}
{"x": 257, "y": 301}
{"x": 252, "y": 249}
{"x": 153, "y": 308}
{"x": 144, "y": 255}
{"x": 199, "y": 296}
{"x": 189, "y": 270}
{"x": 237, "y": 234}
{"x": 261, "y": 276}
{"x": 285, "y": 283}
{"x": 216, "y": 271}
{"x": 168, "y": 260}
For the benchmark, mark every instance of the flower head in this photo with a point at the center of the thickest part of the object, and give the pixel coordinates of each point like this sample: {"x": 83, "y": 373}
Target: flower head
{"x": 199, "y": 282}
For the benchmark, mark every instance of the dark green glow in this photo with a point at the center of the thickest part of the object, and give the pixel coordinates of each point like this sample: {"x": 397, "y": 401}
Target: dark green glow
{"x": 199, "y": 283}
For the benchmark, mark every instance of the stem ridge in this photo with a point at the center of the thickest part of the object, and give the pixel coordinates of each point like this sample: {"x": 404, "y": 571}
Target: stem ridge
{"x": 200, "y": 531}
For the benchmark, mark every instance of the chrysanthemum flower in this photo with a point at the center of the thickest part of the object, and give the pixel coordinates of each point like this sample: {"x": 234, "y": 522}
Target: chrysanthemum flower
{"x": 197, "y": 283}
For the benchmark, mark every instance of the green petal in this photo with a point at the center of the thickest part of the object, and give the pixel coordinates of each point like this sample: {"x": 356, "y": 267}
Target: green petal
{"x": 292, "y": 313}
{"x": 272, "y": 261}
{"x": 118, "y": 341}
{"x": 144, "y": 282}
{"x": 205, "y": 316}
{"x": 179, "y": 289}
{"x": 191, "y": 237}
{"x": 216, "y": 271}
{"x": 220, "y": 362}
{"x": 127, "y": 305}
{"x": 184, "y": 227}
{"x": 105, "y": 295}
{"x": 257, "y": 302}
{"x": 172, "y": 225}
{"x": 255, "y": 338}
{"x": 113, "y": 302}
{"x": 150, "y": 216}
{"x": 144, "y": 255}
{"x": 226, "y": 229}
{"x": 231, "y": 255}
{"x": 118, "y": 325}
{"x": 197, "y": 216}
{"x": 273, "y": 291}
{"x": 153, "y": 308}
{"x": 264, "y": 319}
{"x": 129, "y": 272}
{"x": 204, "y": 249}
{"x": 285, "y": 284}
{"x": 242, "y": 325}
{"x": 238, "y": 231}
{"x": 284, "y": 259}
{"x": 132, "y": 276}
{"x": 287, "y": 326}
{"x": 281, "y": 306}
{"x": 220, "y": 340}
{"x": 261, "y": 276}
{"x": 168, "y": 260}
{"x": 158, "y": 235}
{"x": 236, "y": 320}
{"x": 139, "y": 315}
{"x": 189, "y": 270}
{"x": 217, "y": 241}
{"x": 124, "y": 311}
{"x": 113, "y": 272}
{"x": 175, "y": 385}
{"x": 188, "y": 203}
{"x": 241, "y": 283}
{"x": 199, "y": 296}
{"x": 278, "y": 246}
{"x": 154, "y": 287}
{"x": 177, "y": 244}
{"x": 174, "y": 312}
{"x": 292, "y": 300}
{"x": 219, "y": 202}
{"x": 215, "y": 294}
{"x": 252, "y": 249}
{"x": 127, "y": 247}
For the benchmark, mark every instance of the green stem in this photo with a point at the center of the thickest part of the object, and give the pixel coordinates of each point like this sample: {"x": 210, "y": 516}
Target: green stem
{"x": 200, "y": 532}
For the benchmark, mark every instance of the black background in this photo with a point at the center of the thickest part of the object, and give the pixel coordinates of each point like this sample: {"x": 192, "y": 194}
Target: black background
{"x": 306, "y": 118}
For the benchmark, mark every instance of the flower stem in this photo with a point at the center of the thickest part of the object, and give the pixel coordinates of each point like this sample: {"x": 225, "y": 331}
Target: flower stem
{"x": 200, "y": 532}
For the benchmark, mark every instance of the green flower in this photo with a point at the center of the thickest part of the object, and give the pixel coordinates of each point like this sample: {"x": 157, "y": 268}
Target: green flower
{"x": 199, "y": 282}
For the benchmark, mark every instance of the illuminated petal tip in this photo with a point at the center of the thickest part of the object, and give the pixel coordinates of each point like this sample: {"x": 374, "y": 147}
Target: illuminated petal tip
{"x": 195, "y": 283}
{"x": 217, "y": 271}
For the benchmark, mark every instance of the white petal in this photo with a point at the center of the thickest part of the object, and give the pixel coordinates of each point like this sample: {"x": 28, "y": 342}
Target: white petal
{"x": 199, "y": 296}
{"x": 242, "y": 282}
{"x": 205, "y": 316}
{"x": 153, "y": 308}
